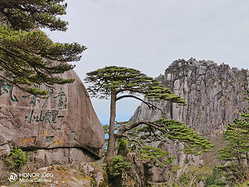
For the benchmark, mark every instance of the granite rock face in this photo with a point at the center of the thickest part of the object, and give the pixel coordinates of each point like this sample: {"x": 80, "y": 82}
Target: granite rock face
{"x": 57, "y": 129}
{"x": 214, "y": 95}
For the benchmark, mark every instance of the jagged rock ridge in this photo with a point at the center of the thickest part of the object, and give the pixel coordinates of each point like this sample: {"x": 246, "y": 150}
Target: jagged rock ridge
{"x": 214, "y": 95}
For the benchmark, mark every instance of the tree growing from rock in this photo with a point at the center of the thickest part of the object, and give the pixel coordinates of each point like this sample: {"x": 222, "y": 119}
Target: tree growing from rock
{"x": 236, "y": 153}
{"x": 27, "y": 55}
{"x": 116, "y": 83}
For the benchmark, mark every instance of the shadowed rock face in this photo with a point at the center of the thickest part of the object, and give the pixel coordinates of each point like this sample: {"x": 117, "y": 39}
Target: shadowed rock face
{"x": 65, "y": 121}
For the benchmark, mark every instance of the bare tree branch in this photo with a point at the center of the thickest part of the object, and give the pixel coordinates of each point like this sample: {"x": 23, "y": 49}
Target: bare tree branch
{"x": 121, "y": 131}
{"x": 149, "y": 104}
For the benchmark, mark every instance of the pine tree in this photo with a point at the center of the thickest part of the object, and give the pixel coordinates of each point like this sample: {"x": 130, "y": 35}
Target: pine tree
{"x": 118, "y": 83}
{"x": 27, "y": 55}
{"x": 236, "y": 153}
{"x": 29, "y": 14}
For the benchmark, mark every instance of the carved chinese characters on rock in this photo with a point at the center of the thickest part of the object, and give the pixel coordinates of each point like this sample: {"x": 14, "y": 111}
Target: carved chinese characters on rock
{"x": 46, "y": 111}
{"x": 7, "y": 88}
{"x": 44, "y": 123}
{"x": 42, "y": 110}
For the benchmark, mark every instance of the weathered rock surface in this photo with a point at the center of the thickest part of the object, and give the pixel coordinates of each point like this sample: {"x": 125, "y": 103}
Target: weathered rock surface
{"x": 61, "y": 128}
{"x": 214, "y": 95}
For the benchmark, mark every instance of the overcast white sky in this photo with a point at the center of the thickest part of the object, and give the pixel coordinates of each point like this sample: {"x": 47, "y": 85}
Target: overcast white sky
{"x": 150, "y": 34}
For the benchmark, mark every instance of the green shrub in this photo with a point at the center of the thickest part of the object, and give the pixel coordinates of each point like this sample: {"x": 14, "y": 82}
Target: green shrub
{"x": 115, "y": 169}
{"x": 118, "y": 165}
{"x": 17, "y": 159}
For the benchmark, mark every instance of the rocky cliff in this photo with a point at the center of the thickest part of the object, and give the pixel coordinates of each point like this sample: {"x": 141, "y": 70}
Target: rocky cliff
{"x": 63, "y": 128}
{"x": 214, "y": 95}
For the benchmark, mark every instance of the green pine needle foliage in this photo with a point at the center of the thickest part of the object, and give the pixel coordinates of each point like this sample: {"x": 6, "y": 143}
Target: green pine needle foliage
{"x": 164, "y": 129}
{"x": 31, "y": 57}
{"x": 17, "y": 159}
{"x": 161, "y": 131}
{"x": 152, "y": 154}
{"x": 28, "y": 14}
{"x": 27, "y": 55}
{"x": 118, "y": 165}
{"x": 122, "y": 80}
{"x": 236, "y": 151}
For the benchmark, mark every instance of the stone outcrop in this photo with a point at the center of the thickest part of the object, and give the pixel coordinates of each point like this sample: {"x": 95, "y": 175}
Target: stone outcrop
{"x": 61, "y": 128}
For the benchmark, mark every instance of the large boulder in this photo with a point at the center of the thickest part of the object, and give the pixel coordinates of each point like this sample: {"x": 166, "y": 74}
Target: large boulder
{"x": 62, "y": 125}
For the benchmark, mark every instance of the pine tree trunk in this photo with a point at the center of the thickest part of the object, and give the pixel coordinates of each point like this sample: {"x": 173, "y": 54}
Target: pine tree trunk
{"x": 111, "y": 143}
